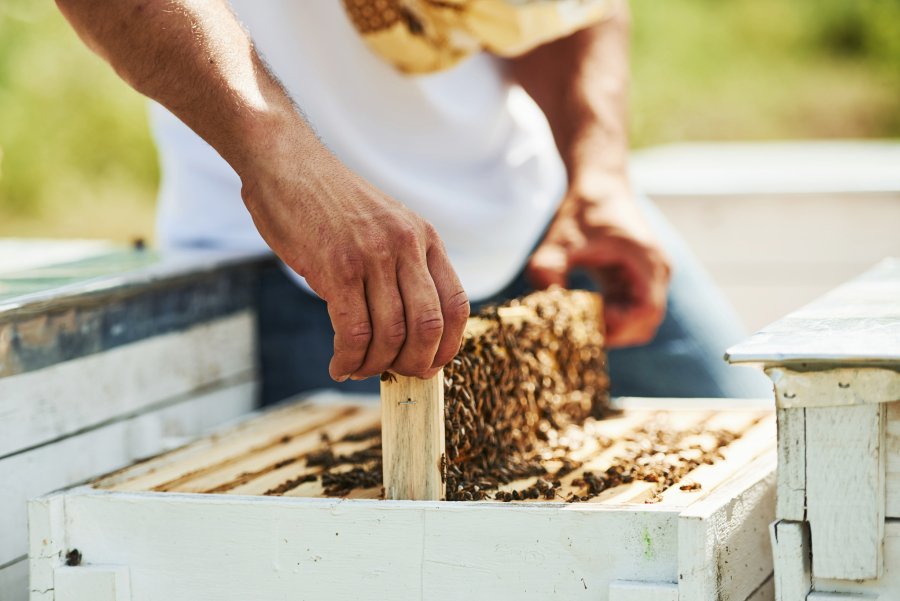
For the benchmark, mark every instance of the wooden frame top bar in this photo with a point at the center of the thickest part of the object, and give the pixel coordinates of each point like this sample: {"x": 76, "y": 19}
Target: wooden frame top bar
{"x": 856, "y": 325}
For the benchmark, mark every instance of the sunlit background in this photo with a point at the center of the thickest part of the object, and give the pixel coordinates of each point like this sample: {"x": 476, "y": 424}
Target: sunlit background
{"x": 76, "y": 159}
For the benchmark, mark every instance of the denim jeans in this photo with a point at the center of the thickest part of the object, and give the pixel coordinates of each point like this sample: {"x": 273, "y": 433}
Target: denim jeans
{"x": 683, "y": 360}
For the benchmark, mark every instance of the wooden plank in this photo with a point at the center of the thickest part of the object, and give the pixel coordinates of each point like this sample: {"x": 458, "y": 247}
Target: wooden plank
{"x": 241, "y": 469}
{"x": 78, "y": 458}
{"x": 412, "y": 437}
{"x": 723, "y": 551}
{"x": 892, "y": 460}
{"x": 46, "y": 404}
{"x": 841, "y": 597}
{"x": 791, "y": 555}
{"x": 332, "y": 549}
{"x": 14, "y": 581}
{"x": 835, "y": 386}
{"x": 791, "y": 503}
{"x": 47, "y": 543}
{"x": 765, "y": 592}
{"x": 221, "y": 448}
{"x": 845, "y": 490}
{"x": 754, "y": 442}
{"x": 886, "y": 588}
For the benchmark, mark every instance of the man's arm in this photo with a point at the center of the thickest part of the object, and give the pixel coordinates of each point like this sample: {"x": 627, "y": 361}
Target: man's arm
{"x": 393, "y": 297}
{"x": 581, "y": 84}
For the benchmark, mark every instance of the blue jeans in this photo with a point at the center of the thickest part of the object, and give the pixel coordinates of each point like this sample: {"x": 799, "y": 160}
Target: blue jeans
{"x": 684, "y": 360}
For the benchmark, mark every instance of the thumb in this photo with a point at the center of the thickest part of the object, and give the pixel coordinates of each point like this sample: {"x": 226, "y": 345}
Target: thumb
{"x": 548, "y": 265}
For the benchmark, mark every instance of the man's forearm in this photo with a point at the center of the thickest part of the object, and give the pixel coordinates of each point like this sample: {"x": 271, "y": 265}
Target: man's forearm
{"x": 194, "y": 58}
{"x": 581, "y": 84}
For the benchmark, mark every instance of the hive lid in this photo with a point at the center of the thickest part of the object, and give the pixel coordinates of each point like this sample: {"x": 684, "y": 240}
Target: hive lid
{"x": 855, "y": 324}
{"x": 40, "y": 273}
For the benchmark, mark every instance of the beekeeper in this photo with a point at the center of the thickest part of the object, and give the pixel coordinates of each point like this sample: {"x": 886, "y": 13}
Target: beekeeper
{"x": 404, "y": 158}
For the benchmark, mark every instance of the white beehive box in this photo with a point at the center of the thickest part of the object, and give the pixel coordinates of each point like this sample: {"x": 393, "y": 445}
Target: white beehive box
{"x": 836, "y": 369}
{"x": 154, "y": 531}
{"x": 109, "y": 354}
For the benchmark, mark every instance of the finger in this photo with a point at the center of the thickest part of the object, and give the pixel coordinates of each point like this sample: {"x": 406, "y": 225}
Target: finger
{"x": 424, "y": 320}
{"x": 548, "y": 265}
{"x": 454, "y": 305}
{"x": 388, "y": 322}
{"x": 352, "y": 330}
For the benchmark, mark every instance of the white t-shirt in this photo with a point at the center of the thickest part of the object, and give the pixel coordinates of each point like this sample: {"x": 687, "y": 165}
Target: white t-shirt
{"x": 466, "y": 149}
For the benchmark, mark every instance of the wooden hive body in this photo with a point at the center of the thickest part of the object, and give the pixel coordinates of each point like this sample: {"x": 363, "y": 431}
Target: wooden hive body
{"x": 197, "y": 523}
{"x": 836, "y": 369}
{"x": 109, "y": 354}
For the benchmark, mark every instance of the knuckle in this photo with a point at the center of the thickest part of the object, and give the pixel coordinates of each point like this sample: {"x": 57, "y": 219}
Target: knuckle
{"x": 428, "y": 325}
{"x": 407, "y": 235}
{"x": 354, "y": 336}
{"x": 395, "y": 333}
{"x": 349, "y": 266}
{"x": 458, "y": 308}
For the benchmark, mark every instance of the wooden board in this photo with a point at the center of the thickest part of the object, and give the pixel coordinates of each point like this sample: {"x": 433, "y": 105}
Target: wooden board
{"x": 412, "y": 437}
{"x": 39, "y": 406}
{"x": 845, "y": 490}
{"x": 89, "y": 454}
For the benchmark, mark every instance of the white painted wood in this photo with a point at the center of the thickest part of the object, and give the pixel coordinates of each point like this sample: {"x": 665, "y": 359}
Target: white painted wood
{"x": 791, "y": 490}
{"x": 629, "y": 590}
{"x": 238, "y": 548}
{"x": 43, "y": 405}
{"x": 791, "y": 555}
{"x": 835, "y": 386}
{"x": 14, "y": 581}
{"x": 412, "y": 437}
{"x": 886, "y": 588}
{"x": 78, "y": 458}
{"x": 841, "y": 597}
{"x": 92, "y": 583}
{"x": 892, "y": 460}
{"x": 855, "y": 325}
{"x": 845, "y": 490}
{"x": 765, "y": 592}
{"x": 47, "y": 543}
{"x": 723, "y": 551}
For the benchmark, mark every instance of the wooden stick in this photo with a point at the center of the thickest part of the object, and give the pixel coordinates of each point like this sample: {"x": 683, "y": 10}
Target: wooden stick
{"x": 412, "y": 437}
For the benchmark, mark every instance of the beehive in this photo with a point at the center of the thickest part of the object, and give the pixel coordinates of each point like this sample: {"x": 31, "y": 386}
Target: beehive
{"x": 267, "y": 511}
{"x": 836, "y": 369}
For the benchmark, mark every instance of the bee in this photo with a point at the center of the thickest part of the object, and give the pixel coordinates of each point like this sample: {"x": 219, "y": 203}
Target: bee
{"x": 387, "y": 376}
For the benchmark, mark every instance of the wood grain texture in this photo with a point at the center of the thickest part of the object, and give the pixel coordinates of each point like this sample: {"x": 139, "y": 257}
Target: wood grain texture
{"x": 412, "y": 437}
{"x": 791, "y": 555}
{"x": 43, "y": 405}
{"x": 723, "y": 547}
{"x": 886, "y": 588}
{"x": 845, "y": 488}
{"x": 87, "y": 455}
{"x": 791, "y": 503}
{"x": 47, "y": 543}
{"x": 892, "y": 460}
{"x": 835, "y": 386}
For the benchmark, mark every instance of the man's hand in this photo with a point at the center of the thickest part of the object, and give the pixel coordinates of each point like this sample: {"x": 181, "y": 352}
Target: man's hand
{"x": 581, "y": 84}
{"x": 394, "y": 300}
{"x": 602, "y": 232}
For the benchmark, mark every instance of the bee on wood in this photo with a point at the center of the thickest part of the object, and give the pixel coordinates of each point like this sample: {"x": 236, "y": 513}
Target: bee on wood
{"x": 387, "y": 376}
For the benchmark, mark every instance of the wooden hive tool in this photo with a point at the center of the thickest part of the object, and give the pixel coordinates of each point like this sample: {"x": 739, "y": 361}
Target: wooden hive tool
{"x": 535, "y": 361}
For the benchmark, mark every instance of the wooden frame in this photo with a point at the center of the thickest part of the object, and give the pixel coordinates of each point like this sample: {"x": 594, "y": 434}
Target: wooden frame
{"x": 835, "y": 365}
{"x": 707, "y": 545}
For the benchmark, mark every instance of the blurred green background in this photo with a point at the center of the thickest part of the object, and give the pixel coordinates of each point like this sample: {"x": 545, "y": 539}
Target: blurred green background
{"x": 76, "y": 158}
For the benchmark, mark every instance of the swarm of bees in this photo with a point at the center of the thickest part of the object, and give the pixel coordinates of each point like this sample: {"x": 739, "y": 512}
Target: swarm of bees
{"x": 534, "y": 365}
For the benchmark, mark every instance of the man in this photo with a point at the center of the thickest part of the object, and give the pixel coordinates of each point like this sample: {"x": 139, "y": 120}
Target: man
{"x": 434, "y": 179}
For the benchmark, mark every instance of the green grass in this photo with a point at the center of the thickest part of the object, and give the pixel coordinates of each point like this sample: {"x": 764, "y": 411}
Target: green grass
{"x": 76, "y": 158}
